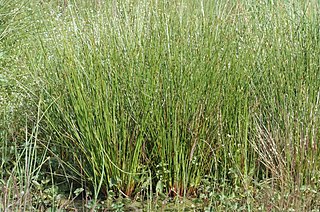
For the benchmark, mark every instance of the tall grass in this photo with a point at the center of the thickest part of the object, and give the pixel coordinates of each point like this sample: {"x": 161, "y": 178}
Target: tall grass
{"x": 24, "y": 155}
{"x": 201, "y": 97}
{"x": 134, "y": 100}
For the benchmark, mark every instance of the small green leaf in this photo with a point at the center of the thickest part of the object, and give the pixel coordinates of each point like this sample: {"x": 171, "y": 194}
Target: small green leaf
{"x": 159, "y": 187}
{"x": 78, "y": 191}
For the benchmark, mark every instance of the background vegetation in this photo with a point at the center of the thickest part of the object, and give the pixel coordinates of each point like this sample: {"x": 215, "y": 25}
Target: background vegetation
{"x": 141, "y": 104}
